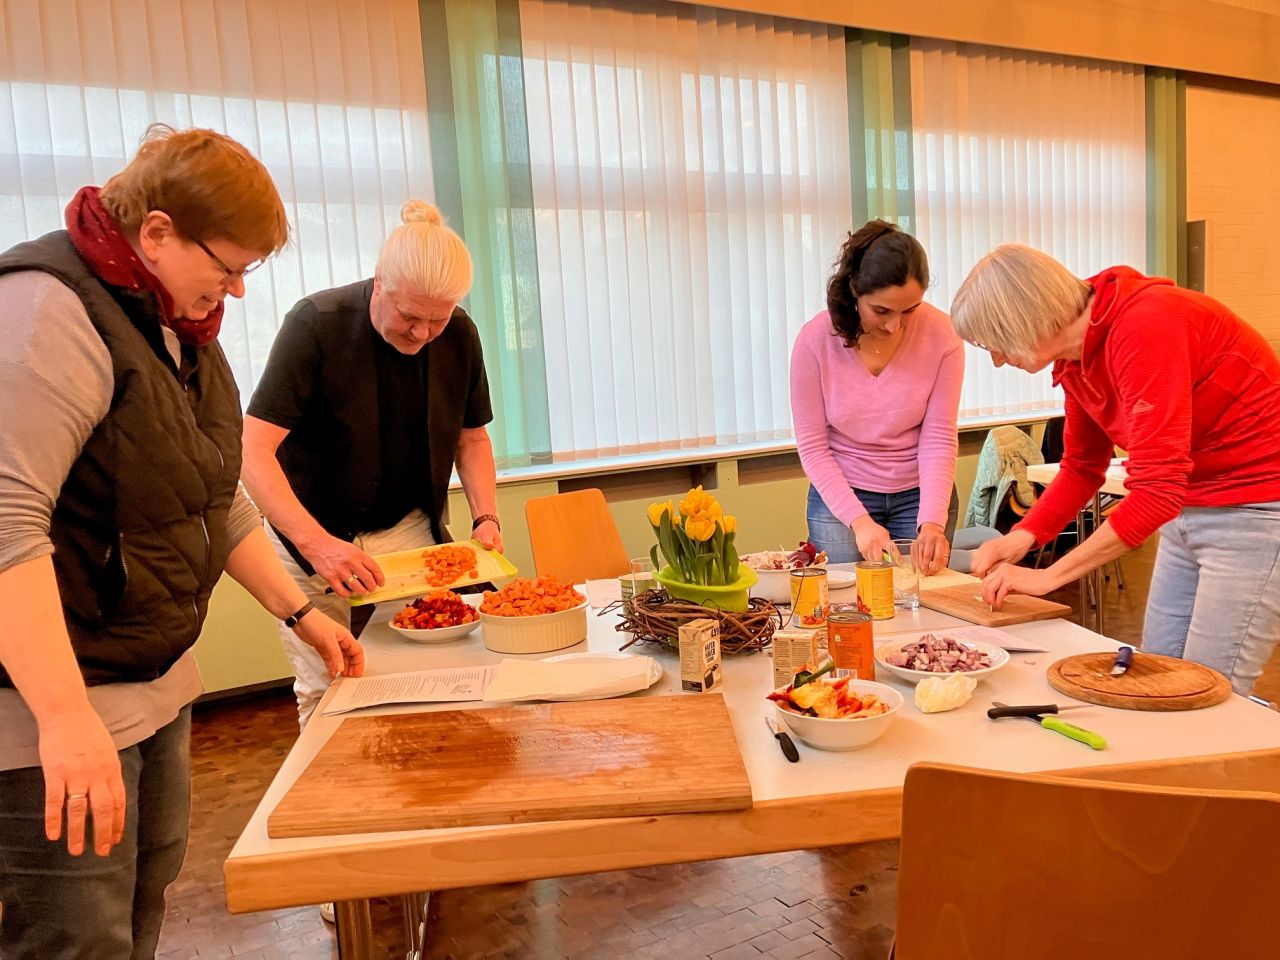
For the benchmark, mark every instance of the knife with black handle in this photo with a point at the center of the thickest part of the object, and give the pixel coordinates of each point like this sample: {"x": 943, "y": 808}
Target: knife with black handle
{"x": 784, "y": 741}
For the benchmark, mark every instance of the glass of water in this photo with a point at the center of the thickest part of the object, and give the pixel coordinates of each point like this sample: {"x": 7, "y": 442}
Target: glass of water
{"x": 906, "y": 578}
{"x": 638, "y": 579}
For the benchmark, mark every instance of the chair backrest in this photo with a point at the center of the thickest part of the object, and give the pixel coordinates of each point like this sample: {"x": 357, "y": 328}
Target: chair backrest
{"x": 999, "y": 866}
{"x": 574, "y": 537}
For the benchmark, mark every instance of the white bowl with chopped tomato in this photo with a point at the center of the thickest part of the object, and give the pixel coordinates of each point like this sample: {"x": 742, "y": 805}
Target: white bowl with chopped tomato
{"x": 865, "y": 710}
{"x": 437, "y": 617}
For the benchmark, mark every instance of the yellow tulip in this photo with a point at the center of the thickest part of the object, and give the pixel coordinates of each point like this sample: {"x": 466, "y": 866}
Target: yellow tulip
{"x": 699, "y": 528}
{"x": 689, "y": 505}
{"x": 730, "y": 524}
{"x": 700, "y": 503}
{"x": 656, "y": 510}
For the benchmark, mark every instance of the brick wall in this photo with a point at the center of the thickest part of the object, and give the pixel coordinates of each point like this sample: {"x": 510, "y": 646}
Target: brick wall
{"x": 1233, "y": 183}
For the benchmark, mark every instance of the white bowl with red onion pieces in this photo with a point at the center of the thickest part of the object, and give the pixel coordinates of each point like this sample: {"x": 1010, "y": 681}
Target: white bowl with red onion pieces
{"x": 773, "y": 570}
{"x": 938, "y": 655}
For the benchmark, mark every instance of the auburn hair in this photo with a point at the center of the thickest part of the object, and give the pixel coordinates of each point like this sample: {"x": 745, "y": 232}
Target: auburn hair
{"x": 211, "y": 187}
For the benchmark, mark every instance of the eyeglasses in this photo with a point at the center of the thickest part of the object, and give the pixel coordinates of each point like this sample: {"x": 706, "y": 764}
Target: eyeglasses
{"x": 230, "y": 274}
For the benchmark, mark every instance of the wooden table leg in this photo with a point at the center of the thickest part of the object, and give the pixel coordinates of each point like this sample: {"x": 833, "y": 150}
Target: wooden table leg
{"x": 354, "y": 924}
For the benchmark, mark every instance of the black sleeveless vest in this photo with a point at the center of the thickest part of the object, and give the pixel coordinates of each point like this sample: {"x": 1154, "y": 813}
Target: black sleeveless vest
{"x": 140, "y": 526}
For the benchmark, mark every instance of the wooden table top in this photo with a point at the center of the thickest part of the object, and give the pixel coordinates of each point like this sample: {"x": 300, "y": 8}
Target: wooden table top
{"x": 826, "y": 799}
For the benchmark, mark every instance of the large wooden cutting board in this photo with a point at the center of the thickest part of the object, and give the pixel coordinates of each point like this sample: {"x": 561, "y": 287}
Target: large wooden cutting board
{"x": 965, "y": 601}
{"x": 1152, "y": 682}
{"x": 555, "y": 761}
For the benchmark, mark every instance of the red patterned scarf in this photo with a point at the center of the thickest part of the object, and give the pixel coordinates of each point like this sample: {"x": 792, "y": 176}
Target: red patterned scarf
{"x": 97, "y": 238}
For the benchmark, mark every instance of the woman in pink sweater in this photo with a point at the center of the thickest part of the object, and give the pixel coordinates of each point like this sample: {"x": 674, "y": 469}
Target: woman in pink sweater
{"x": 875, "y": 387}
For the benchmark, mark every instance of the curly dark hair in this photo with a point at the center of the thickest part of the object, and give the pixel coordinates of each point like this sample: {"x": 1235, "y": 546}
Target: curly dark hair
{"x": 876, "y": 256}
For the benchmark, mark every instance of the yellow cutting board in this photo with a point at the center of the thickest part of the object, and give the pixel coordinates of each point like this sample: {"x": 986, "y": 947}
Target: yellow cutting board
{"x": 407, "y": 576}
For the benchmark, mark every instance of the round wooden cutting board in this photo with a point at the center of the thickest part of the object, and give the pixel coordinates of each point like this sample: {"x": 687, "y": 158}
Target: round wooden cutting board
{"x": 1152, "y": 682}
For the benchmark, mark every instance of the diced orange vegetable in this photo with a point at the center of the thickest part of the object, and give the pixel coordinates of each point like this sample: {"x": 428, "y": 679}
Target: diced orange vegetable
{"x": 524, "y": 597}
{"x": 446, "y": 564}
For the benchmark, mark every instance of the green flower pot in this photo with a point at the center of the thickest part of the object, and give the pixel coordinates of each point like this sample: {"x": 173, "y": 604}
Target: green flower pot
{"x": 731, "y": 598}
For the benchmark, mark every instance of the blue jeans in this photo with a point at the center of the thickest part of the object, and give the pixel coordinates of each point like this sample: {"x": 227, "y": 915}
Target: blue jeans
{"x": 896, "y": 512}
{"x": 60, "y": 907}
{"x": 1215, "y": 591}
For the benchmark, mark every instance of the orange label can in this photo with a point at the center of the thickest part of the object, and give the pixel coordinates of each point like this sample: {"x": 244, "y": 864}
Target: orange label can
{"x": 809, "y": 597}
{"x": 851, "y": 645}
{"x": 875, "y": 589}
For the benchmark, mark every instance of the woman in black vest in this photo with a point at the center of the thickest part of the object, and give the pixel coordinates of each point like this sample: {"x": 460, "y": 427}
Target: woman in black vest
{"x": 119, "y": 511}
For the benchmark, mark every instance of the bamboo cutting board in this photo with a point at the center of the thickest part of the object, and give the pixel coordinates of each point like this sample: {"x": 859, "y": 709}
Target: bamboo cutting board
{"x": 965, "y": 601}
{"x": 1152, "y": 682}
{"x": 555, "y": 761}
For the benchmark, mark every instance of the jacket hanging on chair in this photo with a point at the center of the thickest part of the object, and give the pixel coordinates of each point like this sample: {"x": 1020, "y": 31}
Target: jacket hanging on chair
{"x": 1002, "y": 470}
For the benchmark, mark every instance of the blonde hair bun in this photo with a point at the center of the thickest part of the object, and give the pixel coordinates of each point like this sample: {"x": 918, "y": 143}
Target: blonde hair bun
{"x": 419, "y": 211}
{"x": 424, "y": 252}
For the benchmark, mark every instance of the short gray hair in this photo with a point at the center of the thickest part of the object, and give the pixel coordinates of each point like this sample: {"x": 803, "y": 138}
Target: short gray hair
{"x": 423, "y": 251}
{"x": 1015, "y": 298}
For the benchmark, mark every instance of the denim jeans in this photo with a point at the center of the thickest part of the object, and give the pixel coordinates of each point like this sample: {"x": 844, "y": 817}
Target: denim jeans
{"x": 896, "y": 512}
{"x": 60, "y": 907}
{"x": 1215, "y": 591}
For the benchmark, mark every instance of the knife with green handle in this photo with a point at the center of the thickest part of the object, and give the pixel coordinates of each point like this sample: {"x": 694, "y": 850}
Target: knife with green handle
{"x": 1058, "y": 725}
{"x": 1000, "y": 711}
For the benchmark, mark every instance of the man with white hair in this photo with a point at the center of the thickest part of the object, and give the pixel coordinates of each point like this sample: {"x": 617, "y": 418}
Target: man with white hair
{"x": 373, "y": 393}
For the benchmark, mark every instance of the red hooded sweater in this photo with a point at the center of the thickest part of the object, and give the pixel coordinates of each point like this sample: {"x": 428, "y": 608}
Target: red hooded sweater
{"x": 1189, "y": 389}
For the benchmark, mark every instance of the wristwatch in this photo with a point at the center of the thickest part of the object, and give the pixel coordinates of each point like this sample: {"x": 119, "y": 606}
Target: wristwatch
{"x": 487, "y": 516}
{"x": 291, "y": 621}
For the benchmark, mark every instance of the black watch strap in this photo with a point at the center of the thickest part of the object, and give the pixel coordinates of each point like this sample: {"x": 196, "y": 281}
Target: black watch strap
{"x": 486, "y": 516}
{"x": 291, "y": 621}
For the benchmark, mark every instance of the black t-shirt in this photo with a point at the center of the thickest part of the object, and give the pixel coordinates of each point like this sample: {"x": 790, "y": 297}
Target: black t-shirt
{"x": 367, "y": 423}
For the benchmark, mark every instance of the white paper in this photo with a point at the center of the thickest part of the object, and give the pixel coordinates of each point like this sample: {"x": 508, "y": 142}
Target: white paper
{"x": 1000, "y": 638}
{"x": 450, "y": 684}
{"x": 590, "y": 677}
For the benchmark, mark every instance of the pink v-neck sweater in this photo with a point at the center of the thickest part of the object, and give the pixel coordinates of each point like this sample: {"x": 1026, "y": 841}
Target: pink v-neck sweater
{"x": 886, "y": 433}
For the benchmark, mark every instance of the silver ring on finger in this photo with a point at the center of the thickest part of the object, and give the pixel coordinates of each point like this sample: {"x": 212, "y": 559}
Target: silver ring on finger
{"x": 77, "y": 796}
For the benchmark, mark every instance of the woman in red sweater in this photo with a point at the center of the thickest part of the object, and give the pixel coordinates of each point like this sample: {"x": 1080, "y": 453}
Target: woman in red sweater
{"x": 1192, "y": 393}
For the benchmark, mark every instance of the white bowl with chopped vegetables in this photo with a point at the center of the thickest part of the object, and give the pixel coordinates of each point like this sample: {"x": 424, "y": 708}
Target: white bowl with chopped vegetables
{"x": 868, "y": 710}
{"x": 937, "y": 655}
{"x": 773, "y": 570}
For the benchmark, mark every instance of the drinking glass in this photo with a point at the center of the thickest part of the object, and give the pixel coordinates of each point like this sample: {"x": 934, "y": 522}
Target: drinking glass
{"x": 906, "y": 578}
{"x": 639, "y": 578}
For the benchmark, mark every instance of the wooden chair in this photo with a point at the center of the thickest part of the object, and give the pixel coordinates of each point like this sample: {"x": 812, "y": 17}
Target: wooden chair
{"x": 574, "y": 537}
{"x": 998, "y": 866}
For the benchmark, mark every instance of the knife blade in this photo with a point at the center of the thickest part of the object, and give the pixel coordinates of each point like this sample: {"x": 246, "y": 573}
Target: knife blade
{"x": 784, "y": 741}
{"x": 999, "y": 710}
{"x": 1124, "y": 657}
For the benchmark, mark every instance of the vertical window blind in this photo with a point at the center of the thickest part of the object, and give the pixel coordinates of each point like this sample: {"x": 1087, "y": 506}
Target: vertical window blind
{"x": 690, "y": 178}
{"x": 673, "y": 181}
{"x": 1030, "y": 148}
{"x": 329, "y": 94}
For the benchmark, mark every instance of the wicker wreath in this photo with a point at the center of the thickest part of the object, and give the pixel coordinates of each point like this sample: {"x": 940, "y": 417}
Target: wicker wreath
{"x": 655, "y": 617}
